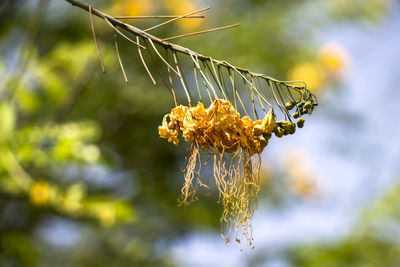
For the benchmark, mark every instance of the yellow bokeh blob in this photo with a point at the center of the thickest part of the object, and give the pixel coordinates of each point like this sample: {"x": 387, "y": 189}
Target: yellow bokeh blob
{"x": 310, "y": 73}
{"x": 39, "y": 193}
{"x": 181, "y": 7}
{"x": 333, "y": 57}
{"x": 132, "y": 7}
{"x": 301, "y": 180}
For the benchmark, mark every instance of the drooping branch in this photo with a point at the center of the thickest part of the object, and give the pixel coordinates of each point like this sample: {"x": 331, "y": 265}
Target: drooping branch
{"x": 174, "y": 47}
{"x": 259, "y": 89}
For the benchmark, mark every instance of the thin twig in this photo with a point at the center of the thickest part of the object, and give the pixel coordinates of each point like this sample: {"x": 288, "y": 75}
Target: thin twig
{"x": 119, "y": 58}
{"x": 304, "y": 93}
{"x": 232, "y": 78}
{"x": 201, "y": 32}
{"x": 126, "y": 37}
{"x": 172, "y": 46}
{"x": 197, "y": 81}
{"x": 158, "y": 17}
{"x": 162, "y": 58}
{"x": 183, "y": 81}
{"x": 171, "y": 20}
{"x": 196, "y": 62}
{"x": 161, "y": 76}
{"x": 95, "y": 40}
{"x": 144, "y": 62}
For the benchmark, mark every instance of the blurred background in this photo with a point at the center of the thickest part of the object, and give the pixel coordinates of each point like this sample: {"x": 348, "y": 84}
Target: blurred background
{"x": 86, "y": 181}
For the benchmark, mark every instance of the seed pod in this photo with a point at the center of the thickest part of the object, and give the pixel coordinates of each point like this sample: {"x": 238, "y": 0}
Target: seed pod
{"x": 295, "y": 115}
{"x": 293, "y": 128}
{"x": 285, "y": 125}
{"x": 300, "y": 122}
{"x": 279, "y": 132}
{"x": 307, "y": 105}
{"x": 289, "y": 105}
{"x": 268, "y": 122}
{"x": 301, "y": 104}
{"x": 267, "y": 136}
{"x": 303, "y": 111}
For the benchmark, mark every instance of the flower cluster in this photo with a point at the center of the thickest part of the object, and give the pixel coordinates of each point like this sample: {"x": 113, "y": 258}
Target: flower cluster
{"x": 219, "y": 126}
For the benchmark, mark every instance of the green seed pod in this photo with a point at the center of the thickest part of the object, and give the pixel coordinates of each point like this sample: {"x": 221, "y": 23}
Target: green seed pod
{"x": 289, "y": 105}
{"x": 300, "y": 122}
{"x": 267, "y": 136}
{"x": 292, "y": 128}
{"x": 295, "y": 115}
{"x": 301, "y": 104}
{"x": 285, "y": 125}
{"x": 303, "y": 111}
{"x": 279, "y": 132}
{"x": 307, "y": 105}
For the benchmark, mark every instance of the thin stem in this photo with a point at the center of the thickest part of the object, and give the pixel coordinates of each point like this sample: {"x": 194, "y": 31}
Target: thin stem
{"x": 161, "y": 76}
{"x": 214, "y": 77}
{"x": 197, "y": 81}
{"x": 126, "y": 37}
{"x": 209, "y": 79}
{"x": 232, "y": 78}
{"x": 283, "y": 102}
{"x": 172, "y": 46}
{"x": 196, "y": 62}
{"x": 144, "y": 62}
{"x": 183, "y": 81}
{"x": 221, "y": 78}
{"x": 259, "y": 99}
{"x": 241, "y": 103}
{"x": 119, "y": 58}
{"x": 95, "y": 40}
{"x": 276, "y": 99}
{"x": 162, "y": 58}
{"x": 157, "y": 17}
{"x": 171, "y": 20}
{"x": 251, "y": 94}
{"x": 201, "y": 32}
{"x": 171, "y": 81}
{"x": 255, "y": 89}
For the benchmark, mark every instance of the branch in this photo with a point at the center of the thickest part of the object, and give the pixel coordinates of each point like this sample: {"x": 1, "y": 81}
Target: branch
{"x": 174, "y": 47}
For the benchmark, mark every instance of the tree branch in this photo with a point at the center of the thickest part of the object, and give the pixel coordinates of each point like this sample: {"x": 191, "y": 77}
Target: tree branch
{"x": 175, "y": 47}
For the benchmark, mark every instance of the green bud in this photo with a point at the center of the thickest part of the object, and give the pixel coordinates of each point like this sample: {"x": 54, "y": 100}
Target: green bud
{"x": 267, "y": 136}
{"x": 279, "y": 132}
{"x": 289, "y": 105}
{"x": 300, "y": 122}
{"x": 303, "y": 111}
{"x": 307, "y": 105}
